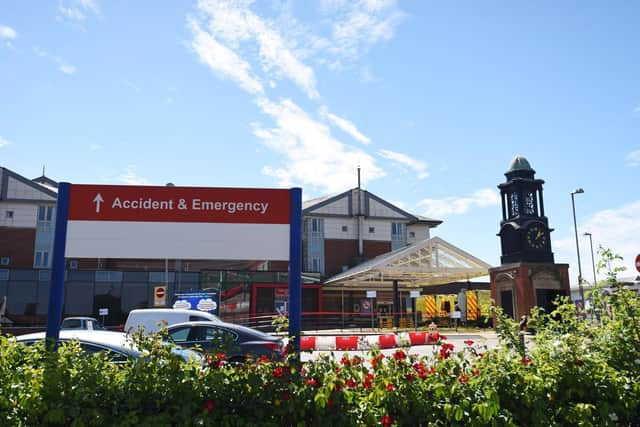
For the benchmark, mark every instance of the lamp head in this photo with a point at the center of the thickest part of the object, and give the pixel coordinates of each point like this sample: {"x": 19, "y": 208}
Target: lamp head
{"x": 578, "y": 191}
{"x": 587, "y": 234}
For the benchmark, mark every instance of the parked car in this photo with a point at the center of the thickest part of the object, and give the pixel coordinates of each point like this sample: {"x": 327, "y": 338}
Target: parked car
{"x": 235, "y": 341}
{"x": 119, "y": 346}
{"x": 153, "y": 319}
{"x": 88, "y": 323}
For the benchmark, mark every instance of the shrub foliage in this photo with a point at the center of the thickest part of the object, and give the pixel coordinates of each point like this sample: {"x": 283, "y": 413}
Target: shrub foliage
{"x": 577, "y": 370}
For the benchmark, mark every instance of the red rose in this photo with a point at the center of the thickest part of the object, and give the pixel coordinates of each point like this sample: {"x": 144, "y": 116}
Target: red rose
{"x": 209, "y": 405}
{"x": 463, "y": 379}
{"x": 391, "y": 387}
{"x": 351, "y": 383}
{"x": 468, "y": 342}
{"x": 278, "y": 372}
{"x": 526, "y": 361}
{"x": 399, "y": 355}
{"x": 445, "y": 350}
{"x": 386, "y": 421}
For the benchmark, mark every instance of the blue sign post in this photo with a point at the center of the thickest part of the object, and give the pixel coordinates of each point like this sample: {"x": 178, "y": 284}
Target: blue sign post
{"x": 103, "y": 204}
{"x": 56, "y": 289}
{"x": 295, "y": 268}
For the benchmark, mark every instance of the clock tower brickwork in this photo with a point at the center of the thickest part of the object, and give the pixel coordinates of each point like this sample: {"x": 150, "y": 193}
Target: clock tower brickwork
{"x": 528, "y": 275}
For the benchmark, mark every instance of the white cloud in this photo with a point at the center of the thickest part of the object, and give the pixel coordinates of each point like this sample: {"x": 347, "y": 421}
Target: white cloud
{"x": 130, "y": 177}
{"x": 96, "y": 147}
{"x": 312, "y": 155}
{"x": 633, "y": 158}
{"x": 7, "y": 32}
{"x": 77, "y": 10}
{"x": 616, "y": 229}
{"x": 66, "y": 68}
{"x": 63, "y": 65}
{"x": 345, "y": 125}
{"x": 132, "y": 85}
{"x": 223, "y": 60}
{"x": 458, "y": 206}
{"x": 4, "y": 142}
{"x": 235, "y": 23}
{"x": 358, "y": 25}
{"x": 418, "y": 166}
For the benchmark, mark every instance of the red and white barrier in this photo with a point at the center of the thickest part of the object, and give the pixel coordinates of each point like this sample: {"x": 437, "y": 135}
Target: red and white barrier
{"x": 367, "y": 342}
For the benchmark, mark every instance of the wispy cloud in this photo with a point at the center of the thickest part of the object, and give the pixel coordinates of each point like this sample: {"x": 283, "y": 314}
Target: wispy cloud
{"x": 77, "y": 10}
{"x": 7, "y": 33}
{"x": 358, "y": 25}
{"x": 4, "y": 142}
{"x": 63, "y": 65}
{"x": 95, "y": 147}
{"x": 617, "y": 229}
{"x": 633, "y": 158}
{"x": 257, "y": 52}
{"x": 313, "y": 156}
{"x": 223, "y": 60}
{"x": 132, "y": 85}
{"x": 345, "y": 125}
{"x": 131, "y": 177}
{"x": 234, "y": 23}
{"x": 418, "y": 166}
{"x": 458, "y": 206}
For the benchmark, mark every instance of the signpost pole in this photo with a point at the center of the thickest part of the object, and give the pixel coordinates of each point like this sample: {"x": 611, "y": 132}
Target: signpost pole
{"x": 56, "y": 288}
{"x": 295, "y": 268}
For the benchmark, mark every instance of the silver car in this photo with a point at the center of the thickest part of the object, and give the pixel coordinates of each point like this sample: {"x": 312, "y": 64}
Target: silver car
{"x": 119, "y": 346}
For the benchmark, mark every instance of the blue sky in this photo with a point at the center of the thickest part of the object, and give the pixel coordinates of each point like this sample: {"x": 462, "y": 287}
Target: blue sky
{"x": 431, "y": 99}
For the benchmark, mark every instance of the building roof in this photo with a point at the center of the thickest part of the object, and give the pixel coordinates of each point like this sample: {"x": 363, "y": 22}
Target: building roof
{"x": 519, "y": 163}
{"x": 426, "y": 263}
{"x": 357, "y": 201}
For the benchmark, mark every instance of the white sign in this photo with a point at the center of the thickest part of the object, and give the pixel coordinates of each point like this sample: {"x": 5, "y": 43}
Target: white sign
{"x": 456, "y": 315}
{"x": 414, "y": 294}
{"x": 103, "y": 312}
{"x": 113, "y": 221}
{"x": 371, "y": 294}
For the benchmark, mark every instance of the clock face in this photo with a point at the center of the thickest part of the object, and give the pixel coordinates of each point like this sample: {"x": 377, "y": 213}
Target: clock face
{"x": 536, "y": 237}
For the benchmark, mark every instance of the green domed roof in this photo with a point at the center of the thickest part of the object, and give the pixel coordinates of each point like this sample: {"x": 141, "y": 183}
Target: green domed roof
{"x": 519, "y": 163}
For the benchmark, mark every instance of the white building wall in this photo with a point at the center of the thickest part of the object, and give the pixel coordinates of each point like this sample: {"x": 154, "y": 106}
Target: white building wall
{"x": 19, "y": 190}
{"x": 333, "y": 228}
{"x": 382, "y": 230}
{"x": 421, "y": 232}
{"x": 377, "y": 209}
{"x": 339, "y": 207}
{"x": 24, "y": 215}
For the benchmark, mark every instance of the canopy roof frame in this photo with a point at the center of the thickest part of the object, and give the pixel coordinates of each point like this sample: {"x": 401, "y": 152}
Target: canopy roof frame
{"x": 429, "y": 262}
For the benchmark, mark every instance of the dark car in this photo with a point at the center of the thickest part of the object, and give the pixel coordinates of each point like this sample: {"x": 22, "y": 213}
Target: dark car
{"x": 235, "y": 341}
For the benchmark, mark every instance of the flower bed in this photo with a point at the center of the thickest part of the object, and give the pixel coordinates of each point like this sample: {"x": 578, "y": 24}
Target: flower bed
{"x": 575, "y": 373}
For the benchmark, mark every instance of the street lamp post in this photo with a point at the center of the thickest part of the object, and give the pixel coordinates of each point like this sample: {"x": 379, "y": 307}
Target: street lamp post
{"x": 575, "y": 227}
{"x": 593, "y": 263}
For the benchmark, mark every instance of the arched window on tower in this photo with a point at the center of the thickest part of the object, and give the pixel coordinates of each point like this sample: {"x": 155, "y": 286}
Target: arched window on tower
{"x": 514, "y": 204}
{"x": 529, "y": 207}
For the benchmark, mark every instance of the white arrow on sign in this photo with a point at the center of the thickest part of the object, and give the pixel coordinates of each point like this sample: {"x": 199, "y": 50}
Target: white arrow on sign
{"x": 98, "y": 199}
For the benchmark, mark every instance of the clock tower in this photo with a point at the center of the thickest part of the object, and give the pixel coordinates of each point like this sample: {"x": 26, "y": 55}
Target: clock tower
{"x": 527, "y": 275}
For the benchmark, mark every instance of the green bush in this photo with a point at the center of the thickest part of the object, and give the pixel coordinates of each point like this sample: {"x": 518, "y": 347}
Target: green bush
{"x": 575, "y": 372}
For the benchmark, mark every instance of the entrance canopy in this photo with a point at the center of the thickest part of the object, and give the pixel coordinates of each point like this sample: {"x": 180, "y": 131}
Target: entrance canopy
{"x": 426, "y": 263}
